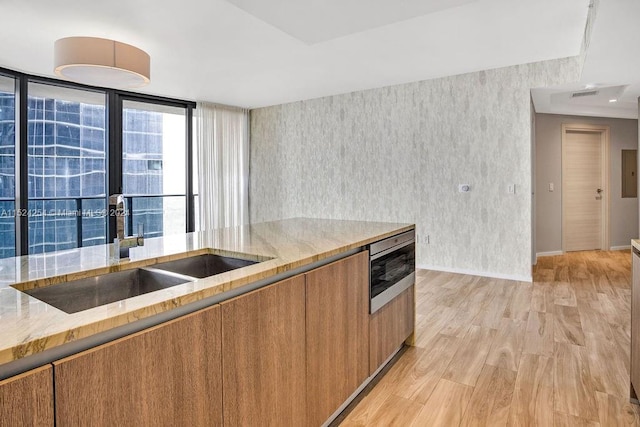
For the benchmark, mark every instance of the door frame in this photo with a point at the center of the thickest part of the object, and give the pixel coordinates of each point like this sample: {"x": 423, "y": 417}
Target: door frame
{"x": 604, "y": 132}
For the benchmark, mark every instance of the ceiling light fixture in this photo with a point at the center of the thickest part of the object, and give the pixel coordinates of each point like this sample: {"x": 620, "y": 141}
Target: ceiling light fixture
{"x": 101, "y": 62}
{"x": 613, "y": 100}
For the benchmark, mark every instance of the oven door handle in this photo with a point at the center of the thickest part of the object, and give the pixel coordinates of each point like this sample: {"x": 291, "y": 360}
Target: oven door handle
{"x": 385, "y": 297}
{"x": 392, "y": 249}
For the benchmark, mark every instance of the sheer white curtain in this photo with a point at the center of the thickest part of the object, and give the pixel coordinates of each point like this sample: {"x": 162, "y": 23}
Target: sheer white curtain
{"x": 222, "y": 135}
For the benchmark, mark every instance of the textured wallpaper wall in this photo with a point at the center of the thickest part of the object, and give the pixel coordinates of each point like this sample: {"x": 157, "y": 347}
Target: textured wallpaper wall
{"x": 398, "y": 154}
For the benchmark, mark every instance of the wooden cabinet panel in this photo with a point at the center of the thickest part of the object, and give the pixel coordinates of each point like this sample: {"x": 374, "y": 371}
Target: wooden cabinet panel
{"x": 390, "y": 327}
{"x": 263, "y": 360}
{"x": 337, "y": 334}
{"x": 27, "y": 399}
{"x": 635, "y": 323}
{"x": 164, "y": 376}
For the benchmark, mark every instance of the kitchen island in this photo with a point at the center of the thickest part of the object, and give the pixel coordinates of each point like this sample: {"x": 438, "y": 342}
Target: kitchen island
{"x": 306, "y": 263}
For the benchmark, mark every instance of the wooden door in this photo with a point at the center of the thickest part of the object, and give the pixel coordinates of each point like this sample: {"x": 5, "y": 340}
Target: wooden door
{"x": 337, "y": 334}
{"x": 167, "y": 375}
{"x": 264, "y": 356}
{"x": 27, "y": 399}
{"x": 635, "y": 323}
{"x": 582, "y": 190}
{"x": 389, "y": 327}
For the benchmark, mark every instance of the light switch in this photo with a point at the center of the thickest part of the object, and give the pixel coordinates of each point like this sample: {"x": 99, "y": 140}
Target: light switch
{"x": 550, "y": 186}
{"x": 512, "y": 189}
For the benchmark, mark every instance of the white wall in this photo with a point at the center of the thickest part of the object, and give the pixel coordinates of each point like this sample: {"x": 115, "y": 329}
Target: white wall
{"x": 623, "y": 211}
{"x": 398, "y": 154}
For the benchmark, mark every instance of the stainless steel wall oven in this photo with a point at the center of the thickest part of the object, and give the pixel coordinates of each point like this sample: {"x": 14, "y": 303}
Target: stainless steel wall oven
{"x": 392, "y": 264}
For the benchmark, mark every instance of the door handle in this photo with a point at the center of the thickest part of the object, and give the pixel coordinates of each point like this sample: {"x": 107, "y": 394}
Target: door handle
{"x": 599, "y": 190}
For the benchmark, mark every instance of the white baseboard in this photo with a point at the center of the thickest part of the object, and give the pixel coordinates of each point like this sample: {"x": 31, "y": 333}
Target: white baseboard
{"x": 554, "y": 253}
{"x": 550, "y": 253}
{"x": 620, "y": 248}
{"x": 478, "y": 273}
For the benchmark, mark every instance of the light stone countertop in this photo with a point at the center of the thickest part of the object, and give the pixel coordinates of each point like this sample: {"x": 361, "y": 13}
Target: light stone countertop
{"x": 29, "y": 326}
{"x": 636, "y": 243}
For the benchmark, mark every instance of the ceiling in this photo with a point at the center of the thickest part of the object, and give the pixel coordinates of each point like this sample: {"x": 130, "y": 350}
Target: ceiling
{"x": 254, "y": 53}
{"x": 315, "y": 22}
{"x": 611, "y": 68}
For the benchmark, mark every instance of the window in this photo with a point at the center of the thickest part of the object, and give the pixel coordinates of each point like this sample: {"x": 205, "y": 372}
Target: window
{"x": 7, "y": 167}
{"x": 64, "y": 135}
{"x": 196, "y": 189}
{"x": 66, "y": 155}
{"x": 153, "y": 166}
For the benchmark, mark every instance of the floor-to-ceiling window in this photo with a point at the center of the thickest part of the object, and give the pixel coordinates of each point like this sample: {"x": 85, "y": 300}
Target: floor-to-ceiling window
{"x": 67, "y": 168}
{"x": 64, "y": 148}
{"x": 7, "y": 167}
{"x": 153, "y": 166}
{"x": 195, "y": 190}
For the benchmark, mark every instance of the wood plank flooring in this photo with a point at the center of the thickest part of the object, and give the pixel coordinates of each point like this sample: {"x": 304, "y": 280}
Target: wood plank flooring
{"x": 492, "y": 352}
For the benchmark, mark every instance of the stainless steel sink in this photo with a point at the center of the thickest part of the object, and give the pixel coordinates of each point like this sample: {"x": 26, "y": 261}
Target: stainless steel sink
{"x": 82, "y": 294}
{"x": 202, "y": 266}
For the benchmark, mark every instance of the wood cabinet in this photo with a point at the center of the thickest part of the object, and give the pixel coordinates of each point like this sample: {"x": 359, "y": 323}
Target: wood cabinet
{"x": 263, "y": 361}
{"x": 290, "y": 353}
{"x": 635, "y": 324}
{"x": 27, "y": 399}
{"x": 337, "y": 333}
{"x": 163, "y": 376}
{"x": 389, "y": 327}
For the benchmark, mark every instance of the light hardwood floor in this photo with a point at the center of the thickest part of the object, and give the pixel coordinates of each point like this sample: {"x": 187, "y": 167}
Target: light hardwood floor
{"x": 493, "y": 352}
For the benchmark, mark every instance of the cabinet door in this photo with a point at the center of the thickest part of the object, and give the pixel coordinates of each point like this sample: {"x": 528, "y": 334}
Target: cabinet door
{"x": 163, "y": 376}
{"x": 337, "y": 334}
{"x": 263, "y": 356}
{"x": 635, "y": 323}
{"x": 27, "y": 399}
{"x": 390, "y": 327}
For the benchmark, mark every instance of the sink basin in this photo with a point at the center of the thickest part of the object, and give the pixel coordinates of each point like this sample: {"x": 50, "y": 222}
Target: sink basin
{"x": 82, "y": 294}
{"x": 202, "y": 266}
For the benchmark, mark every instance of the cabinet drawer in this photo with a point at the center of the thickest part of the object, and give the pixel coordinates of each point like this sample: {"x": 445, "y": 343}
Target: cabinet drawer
{"x": 389, "y": 327}
{"x": 27, "y": 399}
{"x": 166, "y": 375}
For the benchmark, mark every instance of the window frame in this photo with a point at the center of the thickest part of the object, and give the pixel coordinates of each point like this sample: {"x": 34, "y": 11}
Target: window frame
{"x": 15, "y": 165}
{"x": 113, "y": 119}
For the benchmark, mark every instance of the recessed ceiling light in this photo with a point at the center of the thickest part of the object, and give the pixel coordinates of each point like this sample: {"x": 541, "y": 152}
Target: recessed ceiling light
{"x": 613, "y": 100}
{"x": 590, "y": 86}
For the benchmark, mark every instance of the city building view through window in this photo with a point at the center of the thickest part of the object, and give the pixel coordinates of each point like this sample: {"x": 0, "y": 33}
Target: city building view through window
{"x": 68, "y": 167}
{"x": 153, "y": 158}
{"x": 66, "y": 157}
{"x": 7, "y": 167}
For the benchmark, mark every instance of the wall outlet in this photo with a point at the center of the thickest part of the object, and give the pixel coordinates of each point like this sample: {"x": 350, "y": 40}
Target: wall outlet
{"x": 423, "y": 239}
{"x": 464, "y": 188}
{"x": 551, "y": 187}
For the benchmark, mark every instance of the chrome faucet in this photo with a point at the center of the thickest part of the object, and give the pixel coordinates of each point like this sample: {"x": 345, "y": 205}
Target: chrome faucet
{"x": 117, "y": 208}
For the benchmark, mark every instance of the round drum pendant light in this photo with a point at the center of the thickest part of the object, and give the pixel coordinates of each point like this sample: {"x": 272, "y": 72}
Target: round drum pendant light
{"x": 101, "y": 62}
